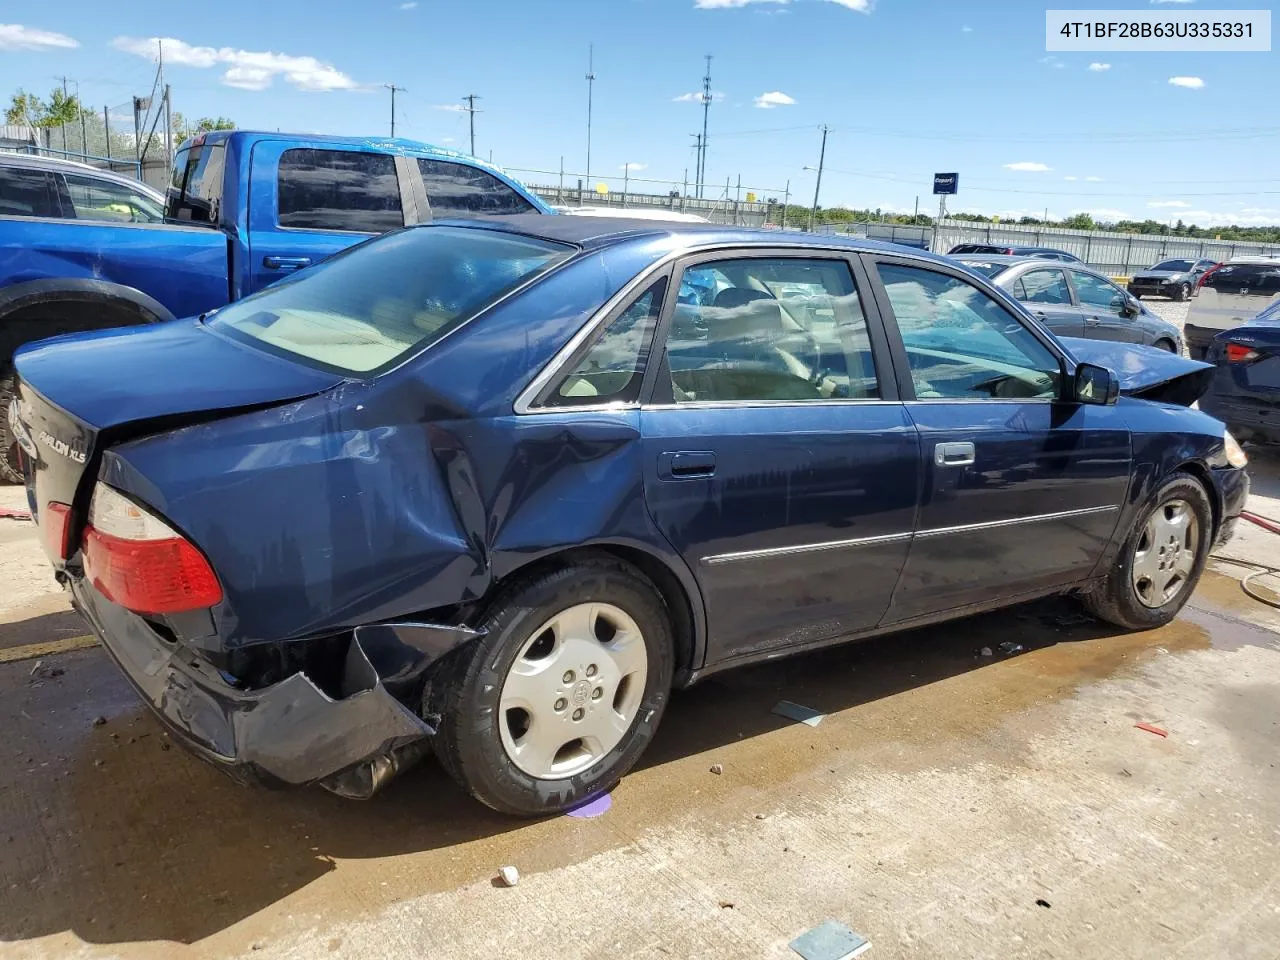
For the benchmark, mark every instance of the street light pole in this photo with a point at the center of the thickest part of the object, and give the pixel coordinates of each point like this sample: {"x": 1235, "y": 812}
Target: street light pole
{"x": 591, "y": 82}
{"x": 817, "y": 187}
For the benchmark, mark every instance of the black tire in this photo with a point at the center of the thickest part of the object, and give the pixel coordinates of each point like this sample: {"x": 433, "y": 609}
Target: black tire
{"x": 1182, "y": 293}
{"x": 1115, "y": 600}
{"x": 1167, "y": 345}
{"x": 9, "y": 469}
{"x": 464, "y": 689}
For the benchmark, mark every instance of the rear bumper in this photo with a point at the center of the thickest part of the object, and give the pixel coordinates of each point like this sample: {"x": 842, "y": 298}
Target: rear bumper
{"x": 289, "y": 733}
{"x": 1198, "y": 339}
{"x": 1256, "y": 415}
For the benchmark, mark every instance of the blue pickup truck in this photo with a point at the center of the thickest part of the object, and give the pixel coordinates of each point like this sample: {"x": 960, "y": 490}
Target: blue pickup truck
{"x": 243, "y": 209}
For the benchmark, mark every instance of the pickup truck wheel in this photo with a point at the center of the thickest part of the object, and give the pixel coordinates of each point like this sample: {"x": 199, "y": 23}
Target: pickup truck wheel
{"x": 558, "y": 699}
{"x": 1161, "y": 560}
{"x": 10, "y": 472}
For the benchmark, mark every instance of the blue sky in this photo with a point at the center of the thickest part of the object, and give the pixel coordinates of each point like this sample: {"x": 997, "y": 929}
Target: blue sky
{"x": 908, "y": 87}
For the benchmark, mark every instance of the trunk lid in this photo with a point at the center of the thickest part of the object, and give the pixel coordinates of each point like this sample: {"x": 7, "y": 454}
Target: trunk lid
{"x": 81, "y": 393}
{"x": 1258, "y": 378}
{"x": 1146, "y": 372}
{"x": 1233, "y": 294}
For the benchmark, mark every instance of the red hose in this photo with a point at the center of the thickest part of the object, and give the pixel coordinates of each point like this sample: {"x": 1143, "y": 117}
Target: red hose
{"x": 1263, "y": 522}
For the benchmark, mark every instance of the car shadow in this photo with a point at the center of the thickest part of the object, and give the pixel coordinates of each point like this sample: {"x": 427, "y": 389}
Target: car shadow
{"x": 117, "y": 836}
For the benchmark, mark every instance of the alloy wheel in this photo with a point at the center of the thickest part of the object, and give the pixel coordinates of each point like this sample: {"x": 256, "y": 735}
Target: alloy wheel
{"x": 1166, "y": 553}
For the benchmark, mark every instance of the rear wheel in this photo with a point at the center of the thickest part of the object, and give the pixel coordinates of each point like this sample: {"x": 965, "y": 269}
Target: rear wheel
{"x": 10, "y": 471}
{"x": 1161, "y": 560}
{"x": 1166, "y": 345}
{"x": 556, "y": 702}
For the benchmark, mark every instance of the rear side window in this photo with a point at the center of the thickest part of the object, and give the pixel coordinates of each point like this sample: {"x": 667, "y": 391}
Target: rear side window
{"x": 1261, "y": 279}
{"x": 95, "y": 199}
{"x": 339, "y": 190}
{"x": 987, "y": 269}
{"x": 362, "y": 310}
{"x": 456, "y": 190}
{"x": 27, "y": 193}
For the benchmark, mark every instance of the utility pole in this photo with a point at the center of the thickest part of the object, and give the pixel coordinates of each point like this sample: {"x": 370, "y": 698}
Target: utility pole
{"x": 706, "y": 108}
{"x": 106, "y": 127}
{"x": 63, "y": 126}
{"x": 394, "y": 90}
{"x": 591, "y": 83}
{"x": 84, "y": 133}
{"x": 626, "y": 179}
{"x": 697, "y": 165}
{"x": 168, "y": 127}
{"x": 822, "y": 158}
{"x": 471, "y": 99}
{"x": 786, "y": 202}
{"x": 561, "y": 176}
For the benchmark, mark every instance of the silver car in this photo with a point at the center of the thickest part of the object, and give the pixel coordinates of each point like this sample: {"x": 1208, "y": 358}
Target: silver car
{"x": 1237, "y": 291}
{"x": 1075, "y": 301}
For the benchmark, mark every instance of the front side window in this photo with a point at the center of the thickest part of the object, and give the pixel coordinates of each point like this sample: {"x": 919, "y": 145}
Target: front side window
{"x": 612, "y": 368}
{"x": 339, "y": 190}
{"x": 94, "y": 199}
{"x": 457, "y": 190}
{"x": 961, "y": 344}
{"x": 1098, "y": 293}
{"x": 364, "y": 309}
{"x": 27, "y": 193}
{"x": 769, "y": 329}
{"x": 1043, "y": 286}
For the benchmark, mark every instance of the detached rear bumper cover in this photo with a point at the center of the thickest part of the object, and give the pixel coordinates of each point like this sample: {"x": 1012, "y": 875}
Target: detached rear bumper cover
{"x": 289, "y": 733}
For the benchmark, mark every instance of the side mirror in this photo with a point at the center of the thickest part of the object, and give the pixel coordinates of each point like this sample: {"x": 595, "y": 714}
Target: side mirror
{"x": 1124, "y": 306}
{"x": 1096, "y": 385}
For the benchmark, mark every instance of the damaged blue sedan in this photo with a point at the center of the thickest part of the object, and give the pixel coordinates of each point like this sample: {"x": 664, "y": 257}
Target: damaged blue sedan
{"x": 494, "y": 489}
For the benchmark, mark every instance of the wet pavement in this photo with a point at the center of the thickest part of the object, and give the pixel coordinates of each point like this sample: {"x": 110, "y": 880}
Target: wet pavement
{"x": 944, "y": 800}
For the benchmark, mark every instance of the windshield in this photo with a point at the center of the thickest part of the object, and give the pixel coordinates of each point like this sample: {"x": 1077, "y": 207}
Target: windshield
{"x": 364, "y": 309}
{"x": 985, "y": 267}
{"x": 1176, "y": 265}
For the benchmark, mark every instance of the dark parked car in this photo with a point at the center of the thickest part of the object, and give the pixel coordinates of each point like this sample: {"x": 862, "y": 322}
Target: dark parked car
{"x": 1077, "y": 302}
{"x": 65, "y": 190}
{"x": 1170, "y": 278}
{"x": 497, "y": 487}
{"x": 1246, "y": 387}
{"x": 1002, "y": 250}
{"x": 1237, "y": 291}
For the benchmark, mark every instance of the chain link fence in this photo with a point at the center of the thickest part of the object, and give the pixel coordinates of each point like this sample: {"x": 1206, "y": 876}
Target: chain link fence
{"x": 107, "y": 139}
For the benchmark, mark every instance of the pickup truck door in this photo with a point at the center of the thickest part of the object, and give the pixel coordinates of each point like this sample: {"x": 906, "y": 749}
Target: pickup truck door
{"x": 308, "y": 201}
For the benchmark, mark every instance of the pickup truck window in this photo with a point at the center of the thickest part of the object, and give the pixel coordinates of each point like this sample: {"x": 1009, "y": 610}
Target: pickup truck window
{"x": 339, "y": 190}
{"x": 27, "y": 193}
{"x": 456, "y": 190}
{"x": 196, "y": 190}
{"x": 362, "y": 310}
{"x": 94, "y": 199}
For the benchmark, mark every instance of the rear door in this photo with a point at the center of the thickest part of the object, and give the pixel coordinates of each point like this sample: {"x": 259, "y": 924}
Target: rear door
{"x": 1101, "y": 307}
{"x": 779, "y": 460}
{"x": 1021, "y": 489}
{"x": 310, "y": 201}
{"x": 1045, "y": 292}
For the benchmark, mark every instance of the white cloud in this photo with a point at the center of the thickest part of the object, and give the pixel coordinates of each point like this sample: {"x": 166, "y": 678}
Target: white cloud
{"x": 1193, "y": 83}
{"x": 1070, "y": 178}
{"x": 448, "y": 139}
{"x": 1169, "y": 204}
{"x": 862, "y": 6}
{"x": 449, "y": 107}
{"x": 1106, "y": 213}
{"x": 409, "y": 6}
{"x": 1093, "y": 179}
{"x": 1052, "y": 61}
{"x": 633, "y": 167}
{"x": 775, "y": 98}
{"x": 696, "y": 97}
{"x": 246, "y": 69}
{"x": 1096, "y": 67}
{"x": 966, "y": 29}
{"x": 14, "y": 36}
{"x": 1028, "y": 166}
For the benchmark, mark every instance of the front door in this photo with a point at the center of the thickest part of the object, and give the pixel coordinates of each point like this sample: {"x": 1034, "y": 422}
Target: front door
{"x": 1102, "y": 305}
{"x": 778, "y": 459}
{"x": 1021, "y": 490}
{"x": 1046, "y": 294}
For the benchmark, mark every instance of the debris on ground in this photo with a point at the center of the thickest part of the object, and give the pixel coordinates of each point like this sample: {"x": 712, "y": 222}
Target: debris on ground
{"x": 1009, "y": 648}
{"x": 1064, "y": 621}
{"x": 99, "y": 721}
{"x": 830, "y": 941}
{"x": 1043, "y": 903}
{"x": 35, "y": 668}
{"x": 510, "y": 876}
{"x": 985, "y": 651}
{"x": 798, "y": 713}
{"x": 593, "y": 808}
{"x": 1152, "y": 728}
{"x": 726, "y": 904}
{"x": 717, "y": 769}
{"x": 8, "y": 514}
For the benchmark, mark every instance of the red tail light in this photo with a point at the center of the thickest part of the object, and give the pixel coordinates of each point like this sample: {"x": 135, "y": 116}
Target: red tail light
{"x": 56, "y": 520}
{"x": 1205, "y": 276}
{"x": 136, "y": 560}
{"x": 1239, "y": 353}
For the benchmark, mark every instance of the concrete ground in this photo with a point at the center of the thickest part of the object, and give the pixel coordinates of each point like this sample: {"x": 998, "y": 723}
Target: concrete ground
{"x": 949, "y": 805}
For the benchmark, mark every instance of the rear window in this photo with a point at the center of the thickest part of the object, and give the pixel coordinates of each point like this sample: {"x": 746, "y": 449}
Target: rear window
{"x": 27, "y": 193}
{"x": 985, "y": 267}
{"x": 1253, "y": 279}
{"x": 339, "y": 190}
{"x": 456, "y": 190}
{"x": 195, "y": 192}
{"x": 362, "y": 310}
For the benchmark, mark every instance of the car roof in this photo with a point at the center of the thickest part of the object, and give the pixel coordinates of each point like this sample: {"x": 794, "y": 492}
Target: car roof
{"x": 598, "y": 232}
{"x": 31, "y": 161}
{"x": 1013, "y": 259}
{"x": 1274, "y": 259}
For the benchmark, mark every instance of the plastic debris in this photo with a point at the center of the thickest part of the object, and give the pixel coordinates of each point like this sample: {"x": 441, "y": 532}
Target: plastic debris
{"x": 1152, "y": 728}
{"x": 985, "y": 651}
{"x": 592, "y": 808}
{"x": 830, "y": 941}
{"x": 1008, "y": 648}
{"x": 726, "y": 904}
{"x": 8, "y": 514}
{"x": 717, "y": 769}
{"x": 510, "y": 876}
{"x": 799, "y": 713}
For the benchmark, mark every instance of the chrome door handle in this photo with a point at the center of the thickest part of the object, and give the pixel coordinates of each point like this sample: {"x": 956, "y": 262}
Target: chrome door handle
{"x": 1092, "y": 321}
{"x": 286, "y": 263}
{"x": 954, "y": 454}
